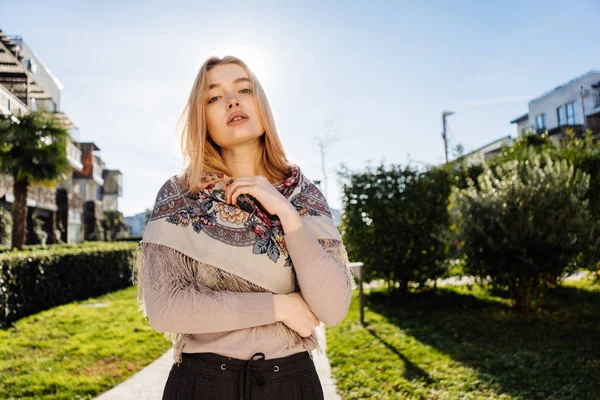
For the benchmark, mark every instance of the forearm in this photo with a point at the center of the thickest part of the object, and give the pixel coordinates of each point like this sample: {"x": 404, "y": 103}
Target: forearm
{"x": 204, "y": 311}
{"x": 176, "y": 302}
{"x": 323, "y": 283}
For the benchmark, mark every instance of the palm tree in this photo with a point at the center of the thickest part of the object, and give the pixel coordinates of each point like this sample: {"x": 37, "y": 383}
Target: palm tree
{"x": 33, "y": 150}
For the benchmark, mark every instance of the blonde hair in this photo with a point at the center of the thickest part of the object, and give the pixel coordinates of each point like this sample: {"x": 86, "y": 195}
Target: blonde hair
{"x": 202, "y": 156}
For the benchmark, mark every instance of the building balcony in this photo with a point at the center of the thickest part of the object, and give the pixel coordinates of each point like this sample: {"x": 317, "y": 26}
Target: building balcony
{"x": 113, "y": 182}
{"x": 74, "y": 156}
{"x": 9, "y": 104}
{"x": 97, "y": 167}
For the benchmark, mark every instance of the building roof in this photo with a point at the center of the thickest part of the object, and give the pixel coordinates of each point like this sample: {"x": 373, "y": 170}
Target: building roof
{"x": 91, "y": 145}
{"x": 520, "y": 119}
{"x": 13, "y": 73}
{"x": 566, "y": 84}
{"x": 66, "y": 121}
{"x": 19, "y": 42}
{"x": 490, "y": 143}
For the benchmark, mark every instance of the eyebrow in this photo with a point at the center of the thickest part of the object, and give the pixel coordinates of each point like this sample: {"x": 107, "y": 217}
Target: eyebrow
{"x": 238, "y": 80}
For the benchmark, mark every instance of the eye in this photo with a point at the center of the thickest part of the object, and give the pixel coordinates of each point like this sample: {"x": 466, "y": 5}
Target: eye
{"x": 212, "y": 100}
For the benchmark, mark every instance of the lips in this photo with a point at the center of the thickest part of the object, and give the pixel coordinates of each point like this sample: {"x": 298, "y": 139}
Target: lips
{"x": 236, "y": 114}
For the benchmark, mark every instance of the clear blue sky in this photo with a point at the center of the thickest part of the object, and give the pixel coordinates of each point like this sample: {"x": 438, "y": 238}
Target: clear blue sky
{"x": 383, "y": 71}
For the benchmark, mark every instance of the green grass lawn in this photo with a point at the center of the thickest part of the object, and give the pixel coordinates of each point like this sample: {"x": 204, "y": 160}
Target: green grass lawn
{"x": 77, "y": 352}
{"x": 456, "y": 343}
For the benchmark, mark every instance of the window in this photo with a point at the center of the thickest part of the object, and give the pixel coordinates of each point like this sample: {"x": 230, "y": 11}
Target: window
{"x": 31, "y": 65}
{"x": 560, "y": 116}
{"x": 74, "y": 230}
{"x": 82, "y": 191}
{"x": 98, "y": 192}
{"x": 540, "y": 121}
{"x": 571, "y": 113}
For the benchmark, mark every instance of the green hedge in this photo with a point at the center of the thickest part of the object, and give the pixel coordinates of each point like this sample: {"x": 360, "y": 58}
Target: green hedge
{"x": 39, "y": 279}
{"x": 130, "y": 239}
{"x": 86, "y": 244}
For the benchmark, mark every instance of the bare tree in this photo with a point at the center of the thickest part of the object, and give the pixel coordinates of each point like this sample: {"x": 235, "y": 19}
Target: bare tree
{"x": 330, "y": 136}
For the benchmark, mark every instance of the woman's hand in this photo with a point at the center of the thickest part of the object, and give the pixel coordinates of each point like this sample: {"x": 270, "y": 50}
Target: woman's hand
{"x": 262, "y": 190}
{"x": 292, "y": 310}
{"x": 268, "y": 196}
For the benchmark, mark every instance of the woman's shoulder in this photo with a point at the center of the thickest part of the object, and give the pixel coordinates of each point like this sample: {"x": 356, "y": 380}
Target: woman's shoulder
{"x": 172, "y": 186}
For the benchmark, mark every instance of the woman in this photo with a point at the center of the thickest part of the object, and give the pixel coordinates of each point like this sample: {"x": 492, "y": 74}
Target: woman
{"x": 240, "y": 259}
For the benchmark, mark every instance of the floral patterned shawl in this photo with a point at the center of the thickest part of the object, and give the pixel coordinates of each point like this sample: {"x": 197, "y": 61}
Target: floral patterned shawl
{"x": 235, "y": 247}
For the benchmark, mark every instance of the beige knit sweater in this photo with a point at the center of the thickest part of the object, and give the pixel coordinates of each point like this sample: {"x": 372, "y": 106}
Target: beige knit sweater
{"x": 187, "y": 300}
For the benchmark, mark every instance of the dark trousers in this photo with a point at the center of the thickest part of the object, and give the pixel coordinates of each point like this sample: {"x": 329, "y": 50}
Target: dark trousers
{"x": 215, "y": 377}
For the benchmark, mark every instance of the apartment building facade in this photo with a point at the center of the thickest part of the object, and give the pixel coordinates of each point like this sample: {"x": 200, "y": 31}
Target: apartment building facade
{"x": 75, "y": 205}
{"x": 574, "y": 104}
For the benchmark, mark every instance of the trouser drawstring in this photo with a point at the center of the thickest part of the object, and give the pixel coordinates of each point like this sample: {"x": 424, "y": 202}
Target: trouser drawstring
{"x": 247, "y": 374}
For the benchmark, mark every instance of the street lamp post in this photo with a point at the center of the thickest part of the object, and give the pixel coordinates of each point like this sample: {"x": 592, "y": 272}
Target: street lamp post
{"x": 444, "y": 115}
{"x": 357, "y": 268}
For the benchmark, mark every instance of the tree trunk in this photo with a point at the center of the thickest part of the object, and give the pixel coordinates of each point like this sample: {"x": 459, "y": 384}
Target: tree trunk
{"x": 19, "y": 213}
{"x": 404, "y": 287}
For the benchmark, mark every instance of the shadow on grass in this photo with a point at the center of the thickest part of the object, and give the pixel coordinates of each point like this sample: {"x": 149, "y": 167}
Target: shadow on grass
{"x": 412, "y": 370}
{"x": 551, "y": 354}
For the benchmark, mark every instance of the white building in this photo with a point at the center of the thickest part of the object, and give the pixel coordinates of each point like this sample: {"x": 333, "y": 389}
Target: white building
{"x": 487, "y": 151}
{"x": 574, "y": 104}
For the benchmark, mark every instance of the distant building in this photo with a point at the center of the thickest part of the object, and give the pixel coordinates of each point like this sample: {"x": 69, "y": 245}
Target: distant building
{"x": 74, "y": 206}
{"x": 487, "y": 151}
{"x": 137, "y": 223}
{"x": 574, "y": 104}
{"x": 553, "y": 112}
{"x": 522, "y": 123}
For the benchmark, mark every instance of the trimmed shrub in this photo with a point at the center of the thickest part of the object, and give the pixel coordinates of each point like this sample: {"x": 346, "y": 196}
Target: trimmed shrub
{"x": 36, "y": 280}
{"x": 526, "y": 225}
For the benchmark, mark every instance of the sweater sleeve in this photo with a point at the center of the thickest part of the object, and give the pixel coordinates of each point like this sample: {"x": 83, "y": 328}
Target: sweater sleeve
{"x": 175, "y": 302}
{"x": 323, "y": 280}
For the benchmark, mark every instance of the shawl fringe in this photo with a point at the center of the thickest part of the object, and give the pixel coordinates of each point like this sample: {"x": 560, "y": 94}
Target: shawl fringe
{"x": 167, "y": 266}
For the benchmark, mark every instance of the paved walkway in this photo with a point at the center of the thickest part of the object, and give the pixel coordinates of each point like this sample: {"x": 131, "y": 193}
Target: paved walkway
{"x": 149, "y": 383}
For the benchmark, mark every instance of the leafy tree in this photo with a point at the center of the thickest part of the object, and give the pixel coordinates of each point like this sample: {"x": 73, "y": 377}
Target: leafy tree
{"x": 396, "y": 221}
{"x": 114, "y": 225}
{"x": 97, "y": 234}
{"x": 39, "y": 235}
{"x": 584, "y": 153}
{"x": 5, "y": 227}
{"x": 33, "y": 150}
{"x": 147, "y": 215}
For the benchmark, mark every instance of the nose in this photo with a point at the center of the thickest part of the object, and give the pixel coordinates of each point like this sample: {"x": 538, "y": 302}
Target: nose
{"x": 233, "y": 102}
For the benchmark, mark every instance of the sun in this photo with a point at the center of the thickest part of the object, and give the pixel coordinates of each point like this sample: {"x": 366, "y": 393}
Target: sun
{"x": 259, "y": 59}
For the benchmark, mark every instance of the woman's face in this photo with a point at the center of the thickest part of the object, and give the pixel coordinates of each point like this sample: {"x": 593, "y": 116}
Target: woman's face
{"x": 230, "y": 92}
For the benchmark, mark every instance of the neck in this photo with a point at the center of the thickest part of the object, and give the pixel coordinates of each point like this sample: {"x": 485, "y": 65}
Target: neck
{"x": 241, "y": 160}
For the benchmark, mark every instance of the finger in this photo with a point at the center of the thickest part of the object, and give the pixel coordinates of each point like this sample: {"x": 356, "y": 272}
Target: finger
{"x": 249, "y": 189}
{"x": 236, "y": 183}
{"x": 255, "y": 183}
{"x": 231, "y": 188}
